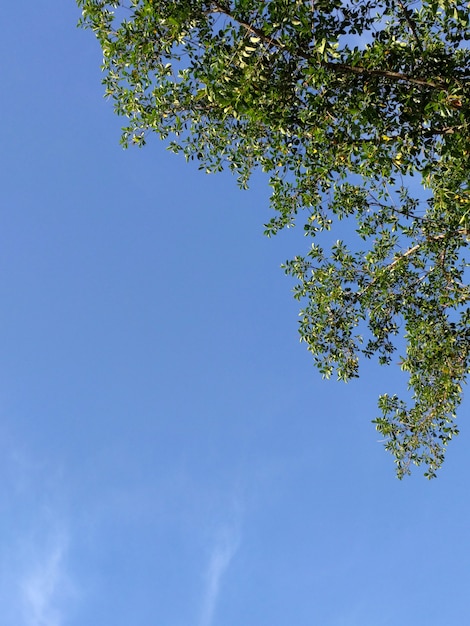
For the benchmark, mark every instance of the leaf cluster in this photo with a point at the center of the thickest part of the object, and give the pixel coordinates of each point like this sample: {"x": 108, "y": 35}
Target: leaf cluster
{"x": 357, "y": 111}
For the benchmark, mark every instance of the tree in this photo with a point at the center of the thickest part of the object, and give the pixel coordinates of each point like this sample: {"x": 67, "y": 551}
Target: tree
{"x": 357, "y": 109}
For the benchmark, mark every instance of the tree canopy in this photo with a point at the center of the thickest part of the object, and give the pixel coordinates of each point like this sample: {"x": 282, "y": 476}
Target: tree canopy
{"x": 356, "y": 109}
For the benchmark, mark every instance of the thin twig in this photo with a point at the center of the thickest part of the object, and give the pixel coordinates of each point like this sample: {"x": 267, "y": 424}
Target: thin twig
{"x": 411, "y": 24}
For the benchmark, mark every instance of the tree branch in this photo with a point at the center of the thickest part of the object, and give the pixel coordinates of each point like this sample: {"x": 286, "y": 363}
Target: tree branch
{"x": 337, "y": 68}
{"x": 411, "y": 24}
{"x": 390, "y": 267}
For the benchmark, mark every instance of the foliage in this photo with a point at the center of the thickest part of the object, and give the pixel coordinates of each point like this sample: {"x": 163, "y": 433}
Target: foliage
{"x": 342, "y": 103}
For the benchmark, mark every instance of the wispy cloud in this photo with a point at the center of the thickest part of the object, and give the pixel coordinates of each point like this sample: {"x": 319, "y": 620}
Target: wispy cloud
{"x": 45, "y": 585}
{"x": 35, "y": 586}
{"x": 224, "y": 549}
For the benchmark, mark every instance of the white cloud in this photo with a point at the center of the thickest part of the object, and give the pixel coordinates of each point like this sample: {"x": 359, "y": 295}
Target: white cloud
{"x": 224, "y": 550}
{"x": 45, "y": 585}
{"x": 35, "y": 587}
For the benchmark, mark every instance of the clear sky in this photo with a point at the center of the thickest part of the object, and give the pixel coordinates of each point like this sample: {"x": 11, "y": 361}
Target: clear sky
{"x": 169, "y": 455}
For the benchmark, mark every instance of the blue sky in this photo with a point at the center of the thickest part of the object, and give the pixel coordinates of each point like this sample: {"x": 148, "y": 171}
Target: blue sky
{"x": 169, "y": 455}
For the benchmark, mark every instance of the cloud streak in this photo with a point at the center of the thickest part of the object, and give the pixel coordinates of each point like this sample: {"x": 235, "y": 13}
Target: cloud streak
{"x": 35, "y": 587}
{"x": 222, "y": 554}
{"x": 44, "y": 586}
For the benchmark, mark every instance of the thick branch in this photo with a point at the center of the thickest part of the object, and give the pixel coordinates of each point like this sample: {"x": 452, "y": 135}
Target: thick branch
{"x": 342, "y": 68}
